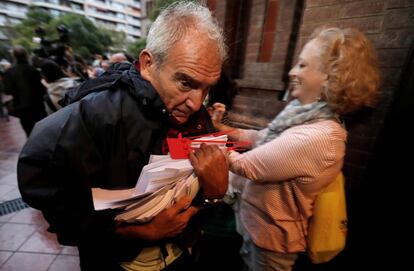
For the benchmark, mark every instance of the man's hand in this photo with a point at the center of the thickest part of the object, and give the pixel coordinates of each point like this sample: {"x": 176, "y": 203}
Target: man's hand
{"x": 172, "y": 221}
{"x": 168, "y": 223}
{"x": 211, "y": 167}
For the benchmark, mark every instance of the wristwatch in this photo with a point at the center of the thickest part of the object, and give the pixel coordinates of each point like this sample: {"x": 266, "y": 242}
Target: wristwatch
{"x": 209, "y": 202}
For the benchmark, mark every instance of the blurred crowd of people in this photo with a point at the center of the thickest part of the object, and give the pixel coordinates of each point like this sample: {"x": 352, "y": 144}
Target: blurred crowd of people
{"x": 31, "y": 86}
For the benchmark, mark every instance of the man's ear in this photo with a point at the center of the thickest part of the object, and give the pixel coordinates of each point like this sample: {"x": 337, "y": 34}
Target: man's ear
{"x": 147, "y": 64}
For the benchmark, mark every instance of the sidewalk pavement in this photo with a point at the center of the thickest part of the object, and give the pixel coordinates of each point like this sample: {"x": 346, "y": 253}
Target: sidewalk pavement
{"x": 24, "y": 242}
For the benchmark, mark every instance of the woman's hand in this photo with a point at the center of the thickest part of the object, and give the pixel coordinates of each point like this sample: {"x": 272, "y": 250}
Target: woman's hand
{"x": 216, "y": 112}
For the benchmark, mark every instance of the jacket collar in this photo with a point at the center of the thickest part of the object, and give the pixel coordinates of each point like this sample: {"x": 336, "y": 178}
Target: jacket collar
{"x": 145, "y": 93}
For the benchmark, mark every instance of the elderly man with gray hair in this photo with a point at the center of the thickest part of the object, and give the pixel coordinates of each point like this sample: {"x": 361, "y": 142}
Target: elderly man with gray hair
{"x": 106, "y": 133}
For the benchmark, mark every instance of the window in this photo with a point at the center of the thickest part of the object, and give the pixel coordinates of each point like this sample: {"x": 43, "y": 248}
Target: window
{"x": 76, "y": 6}
{"x": 14, "y": 21}
{"x": 56, "y": 2}
{"x": 118, "y": 6}
{"x": 3, "y": 20}
{"x": 120, "y": 27}
{"x": 269, "y": 31}
{"x": 120, "y": 15}
{"x": 55, "y": 13}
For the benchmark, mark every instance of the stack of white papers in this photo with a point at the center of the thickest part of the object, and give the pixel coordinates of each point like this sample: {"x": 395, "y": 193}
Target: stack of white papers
{"x": 162, "y": 182}
{"x": 148, "y": 207}
{"x": 161, "y": 171}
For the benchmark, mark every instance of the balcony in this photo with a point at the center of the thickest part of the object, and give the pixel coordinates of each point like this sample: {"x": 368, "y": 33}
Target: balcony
{"x": 49, "y": 5}
{"x": 103, "y": 16}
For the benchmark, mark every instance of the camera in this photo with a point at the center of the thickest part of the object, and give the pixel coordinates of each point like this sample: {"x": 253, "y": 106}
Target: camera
{"x": 53, "y": 49}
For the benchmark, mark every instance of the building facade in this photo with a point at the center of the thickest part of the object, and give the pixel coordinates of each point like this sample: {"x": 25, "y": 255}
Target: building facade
{"x": 119, "y": 15}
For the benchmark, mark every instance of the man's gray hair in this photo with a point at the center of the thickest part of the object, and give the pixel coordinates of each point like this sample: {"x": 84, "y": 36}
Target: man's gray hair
{"x": 175, "y": 21}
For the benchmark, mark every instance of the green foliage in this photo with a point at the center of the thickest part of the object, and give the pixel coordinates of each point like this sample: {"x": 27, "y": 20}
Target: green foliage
{"x": 84, "y": 34}
{"x": 85, "y": 38}
{"x": 118, "y": 40}
{"x": 83, "y": 52}
{"x": 36, "y": 16}
{"x": 23, "y": 33}
{"x": 5, "y": 51}
{"x": 135, "y": 48}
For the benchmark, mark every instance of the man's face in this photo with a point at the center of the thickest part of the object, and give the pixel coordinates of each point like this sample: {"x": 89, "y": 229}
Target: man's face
{"x": 183, "y": 80}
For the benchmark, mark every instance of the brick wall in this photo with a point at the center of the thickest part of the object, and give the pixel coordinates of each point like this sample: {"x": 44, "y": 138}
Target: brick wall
{"x": 253, "y": 108}
{"x": 267, "y": 75}
{"x": 262, "y": 73}
{"x": 389, "y": 24}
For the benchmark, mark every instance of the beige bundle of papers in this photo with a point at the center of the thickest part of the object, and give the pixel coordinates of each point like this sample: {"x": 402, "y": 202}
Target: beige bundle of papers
{"x": 162, "y": 182}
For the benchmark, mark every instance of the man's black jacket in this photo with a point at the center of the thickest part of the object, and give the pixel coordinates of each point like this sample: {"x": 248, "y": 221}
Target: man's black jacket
{"x": 101, "y": 138}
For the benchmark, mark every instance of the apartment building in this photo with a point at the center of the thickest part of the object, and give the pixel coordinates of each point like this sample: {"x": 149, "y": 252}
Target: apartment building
{"x": 128, "y": 16}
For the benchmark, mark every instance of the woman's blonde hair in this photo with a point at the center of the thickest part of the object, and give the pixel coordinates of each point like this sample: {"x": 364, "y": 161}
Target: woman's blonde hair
{"x": 350, "y": 61}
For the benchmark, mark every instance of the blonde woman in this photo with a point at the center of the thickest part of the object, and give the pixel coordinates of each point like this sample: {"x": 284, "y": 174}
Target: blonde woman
{"x": 302, "y": 149}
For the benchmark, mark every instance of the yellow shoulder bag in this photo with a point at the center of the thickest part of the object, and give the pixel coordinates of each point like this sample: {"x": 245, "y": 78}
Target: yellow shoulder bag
{"x": 328, "y": 224}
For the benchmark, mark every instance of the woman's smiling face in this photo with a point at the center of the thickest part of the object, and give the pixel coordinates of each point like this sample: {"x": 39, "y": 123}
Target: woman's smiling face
{"x": 306, "y": 77}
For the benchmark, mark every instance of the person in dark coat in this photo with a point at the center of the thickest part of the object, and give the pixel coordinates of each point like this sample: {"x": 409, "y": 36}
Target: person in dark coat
{"x": 108, "y": 129}
{"x": 23, "y": 82}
